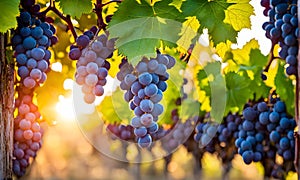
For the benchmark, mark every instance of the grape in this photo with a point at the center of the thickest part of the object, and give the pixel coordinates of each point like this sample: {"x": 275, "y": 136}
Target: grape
{"x": 135, "y": 87}
{"x": 23, "y": 72}
{"x": 274, "y": 136}
{"x": 151, "y": 90}
{"x": 135, "y": 122}
{"x": 29, "y": 82}
{"x": 153, "y": 128}
{"x": 21, "y": 59}
{"x": 37, "y": 32}
{"x": 146, "y": 105}
{"x": 248, "y": 157}
{"x": 102, "y": 73}
{"x": 274, "y": 117}
{"x": 36, "y": 74}
{"x": 82, "y": 41}
{"x": 29, "y": 43}
{"x": 43, "y": 41}
{"x": 25, "y": 31}
{"x": 75, "y": 54}
{"x": 89, "y": 98}
{"x": 91, "y": 79}
{"x": 146, "y": 119}
{"x": 42, "y": 65}
{"x": 145, "y": 78}
{"x": 145, "y": 141}
{"x": 140, "y": 131}
{"x": 162, "y": 86}
{"x": 262, "y": 106}
{"x": 249, "y": 114}
{"x": 92, "y": 68}
{"x": 98, "y": 90}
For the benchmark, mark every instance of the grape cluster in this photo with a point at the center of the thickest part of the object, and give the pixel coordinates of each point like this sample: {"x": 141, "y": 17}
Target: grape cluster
{"x": 121, "y": 131}
{"x": 219, "y": 138}
{"x": 92, "y": 66}
{"x": 266, "y": 130}
{"x": 282, "y": 28}
{"x": 30, "y": 41}
{"x": 27, "y": 134}
{"x": 144, "y": 87}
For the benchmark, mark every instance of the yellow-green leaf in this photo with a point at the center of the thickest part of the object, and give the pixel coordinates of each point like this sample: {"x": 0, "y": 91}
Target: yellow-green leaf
{"x": 238, "y": 15}
{"x": 10, "y": 10}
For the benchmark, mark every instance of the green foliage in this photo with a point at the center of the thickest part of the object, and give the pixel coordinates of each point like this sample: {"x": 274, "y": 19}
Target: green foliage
{"x": 285, "y": 89}
{"x": 10, "y": 10}
{"x": 218, "y": 30}
{"x": 76, "y": 8}
{"x": 141, "y": 29}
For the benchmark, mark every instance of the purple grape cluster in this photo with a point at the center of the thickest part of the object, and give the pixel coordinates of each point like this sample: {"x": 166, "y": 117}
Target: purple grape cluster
{"x": 219, "y": 138}
{"x": 144, "y": 86}
{"x": 267, "y": 130}
{"x": 92, "y": 67}
{"x": 27, "y": 134}
{"x": 282, "y": 28}
{"x": 30, "y": 41}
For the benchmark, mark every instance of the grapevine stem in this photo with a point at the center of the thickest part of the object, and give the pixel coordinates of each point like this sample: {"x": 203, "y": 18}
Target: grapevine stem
{"x": 98, "y": 11}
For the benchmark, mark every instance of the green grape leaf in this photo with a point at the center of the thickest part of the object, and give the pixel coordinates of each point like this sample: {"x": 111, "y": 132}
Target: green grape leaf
{"x": 10, "y": 10}
{"x": 257, "y": 62}
{"x": 141, "y": 27}
{"x": 238, "y": 15}
{"x": 285, "y": 89}
{"x": 238, "y": 90}
{"x": 76, "y": 8}
{"x": 211, "y": 15}
{"x": 115, "y": 109}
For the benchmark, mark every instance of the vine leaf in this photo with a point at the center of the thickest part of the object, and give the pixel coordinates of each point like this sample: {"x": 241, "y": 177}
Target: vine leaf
{"x": 10, "y": 10}
{"x": 238, "y": 14}
{"x": 141, "y": 29}
{"x": 257, "y": 62}
{"x": 211, "y": 15}
{"x": 238, "y": 91}
{"x": 285, "y": 89}
{"x": 76, "y": 8}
